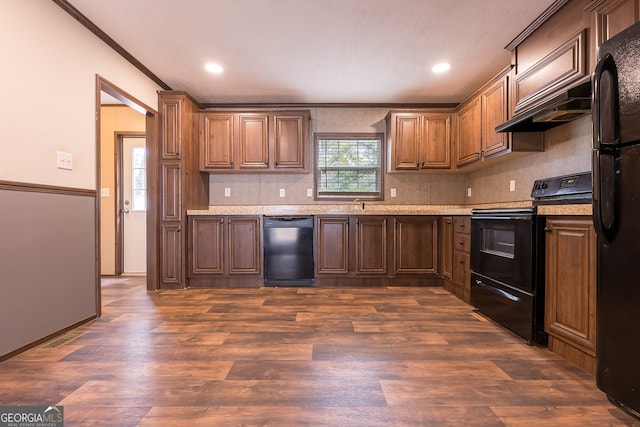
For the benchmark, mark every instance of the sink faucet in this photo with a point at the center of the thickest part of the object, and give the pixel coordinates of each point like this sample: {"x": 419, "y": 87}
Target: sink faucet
{"x": 353, "y": 203}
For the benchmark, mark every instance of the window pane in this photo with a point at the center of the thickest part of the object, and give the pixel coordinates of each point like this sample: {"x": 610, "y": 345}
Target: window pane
{"x": 139, "y": 202}
{"x": 349, "y": 165}
{"x": 138, "y": 179}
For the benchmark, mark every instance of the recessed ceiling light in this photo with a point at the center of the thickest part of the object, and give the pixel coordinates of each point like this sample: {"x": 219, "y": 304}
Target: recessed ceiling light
{"x": 441, "y": 68}
{"x": 214, "y": 68}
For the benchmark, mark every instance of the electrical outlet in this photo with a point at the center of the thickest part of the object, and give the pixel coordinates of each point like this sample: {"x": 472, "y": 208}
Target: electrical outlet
{"x": 227, "y": 192}
{"x": 393, "y": 192}
{"x": 64, "y": 160}
{"x": 282, "y": 192}
{"x": 309, "y": 192}
{"x": 469, "y": 192}
{"x": 512, "y": 185}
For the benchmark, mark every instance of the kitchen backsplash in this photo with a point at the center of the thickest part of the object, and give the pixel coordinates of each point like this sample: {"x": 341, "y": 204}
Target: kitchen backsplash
{"x": 567, "y": 150}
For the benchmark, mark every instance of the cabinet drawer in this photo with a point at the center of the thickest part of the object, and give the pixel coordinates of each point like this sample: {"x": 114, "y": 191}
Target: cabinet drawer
{"x": 462, "y": 224}
{"x": 462, "y": 242}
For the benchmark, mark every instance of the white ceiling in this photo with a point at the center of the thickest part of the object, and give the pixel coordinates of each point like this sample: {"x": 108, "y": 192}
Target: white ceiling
{"x": 317, "y": 51}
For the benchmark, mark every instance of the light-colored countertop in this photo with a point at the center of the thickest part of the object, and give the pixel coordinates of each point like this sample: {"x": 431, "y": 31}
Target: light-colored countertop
{"x": 380, "y": 209}
{"x": 373, "y": 209}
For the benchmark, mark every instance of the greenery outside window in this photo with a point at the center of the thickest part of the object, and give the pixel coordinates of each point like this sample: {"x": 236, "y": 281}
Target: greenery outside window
{"x": 349, "y": 165}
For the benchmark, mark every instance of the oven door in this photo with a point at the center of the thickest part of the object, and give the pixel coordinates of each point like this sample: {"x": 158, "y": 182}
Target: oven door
{"x": 502, "y": 247}
{"x": 512, "y": 308}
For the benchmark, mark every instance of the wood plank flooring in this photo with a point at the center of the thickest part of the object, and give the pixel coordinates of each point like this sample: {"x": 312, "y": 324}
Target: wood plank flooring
{"x": 405, "y": 356}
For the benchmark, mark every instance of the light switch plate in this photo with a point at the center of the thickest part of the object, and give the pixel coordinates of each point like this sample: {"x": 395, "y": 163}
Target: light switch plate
{"x": 512, "y": 185}
{"x": 309, "y": 192}
{"x": 469, "y": 192}
{"x": 64, "y": 160}
{"x": 104, "y": 192}
{"x": 393, "y": 192}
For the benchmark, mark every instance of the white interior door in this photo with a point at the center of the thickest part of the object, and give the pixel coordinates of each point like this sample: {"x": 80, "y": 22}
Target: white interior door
{"x": 134, "y": 208}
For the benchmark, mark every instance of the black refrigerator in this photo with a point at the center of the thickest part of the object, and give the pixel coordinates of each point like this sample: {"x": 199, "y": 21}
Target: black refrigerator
{"x": 616, "y": 217}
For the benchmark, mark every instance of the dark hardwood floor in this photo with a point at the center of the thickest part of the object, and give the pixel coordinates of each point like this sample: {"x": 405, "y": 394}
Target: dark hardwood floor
{"x": 406, "y": 356}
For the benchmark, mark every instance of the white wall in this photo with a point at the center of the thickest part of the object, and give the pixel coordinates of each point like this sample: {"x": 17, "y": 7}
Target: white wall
{"x": 48, "y": 78}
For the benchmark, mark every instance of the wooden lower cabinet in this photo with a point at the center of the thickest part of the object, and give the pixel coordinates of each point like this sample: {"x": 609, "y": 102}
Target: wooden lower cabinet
{"x": 376, "y": 250}
{"x": 570, "y": 300}
{"x": 416, "y": 245}
{"x": 225, "y": 250}
{"x": 446, "y": 248}
{"x": 456, "y": 245}
{"x": 332, "y": 245}
{"x": 371, "y": 246}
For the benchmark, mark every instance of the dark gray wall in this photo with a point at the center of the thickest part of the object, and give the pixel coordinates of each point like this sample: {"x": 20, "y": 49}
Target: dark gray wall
{"x": 48, "y": 275}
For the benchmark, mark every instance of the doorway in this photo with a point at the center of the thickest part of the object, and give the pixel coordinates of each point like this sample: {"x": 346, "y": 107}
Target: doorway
{"x": 106, "y": 149}
{"x": 131, "y": 205}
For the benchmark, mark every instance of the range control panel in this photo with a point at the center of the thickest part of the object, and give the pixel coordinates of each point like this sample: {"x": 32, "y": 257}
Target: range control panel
{"x": 576, "y": 187}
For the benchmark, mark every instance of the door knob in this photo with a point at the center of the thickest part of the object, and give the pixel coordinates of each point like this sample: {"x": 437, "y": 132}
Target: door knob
{"x": 125, "y": 210}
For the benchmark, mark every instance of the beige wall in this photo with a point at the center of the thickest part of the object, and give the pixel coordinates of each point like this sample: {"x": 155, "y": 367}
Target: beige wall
{"x": 567, "y": 149}
{"x": 112, "y": 119}
{"x": 249, "y": 189}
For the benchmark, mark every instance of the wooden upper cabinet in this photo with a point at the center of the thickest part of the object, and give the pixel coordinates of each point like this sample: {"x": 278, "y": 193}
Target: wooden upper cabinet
{"x": 495, "y": 111}
{"x": 254, "y": 141}
{"x": 172, "y": 112}
{"x": 216, "y": 141}
{"x": 289, "y": 140}
{"x": 258, "y": 142}
{"x": 419, "y": 140}
{"x": 552, "y": 56}
{"x": 611, "y": 17}
{"x": 469, "y": 132}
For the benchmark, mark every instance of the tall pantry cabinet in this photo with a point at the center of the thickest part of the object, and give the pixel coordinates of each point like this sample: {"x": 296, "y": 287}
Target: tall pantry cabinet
{"x": 182, "y": 185}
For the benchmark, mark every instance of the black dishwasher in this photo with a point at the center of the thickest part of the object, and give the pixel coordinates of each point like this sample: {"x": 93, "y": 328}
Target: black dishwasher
{"x": 288, "y": 250}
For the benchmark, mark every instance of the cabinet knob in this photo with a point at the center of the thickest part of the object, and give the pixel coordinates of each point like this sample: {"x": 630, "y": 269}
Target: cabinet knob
{"x": 423, "y": 163}
{"x": 461, "y": 242}
{"x": 548, "y": 230}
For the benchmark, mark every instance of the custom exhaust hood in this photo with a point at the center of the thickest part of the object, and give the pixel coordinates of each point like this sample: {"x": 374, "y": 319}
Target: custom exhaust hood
{"x": 569, "y": 105}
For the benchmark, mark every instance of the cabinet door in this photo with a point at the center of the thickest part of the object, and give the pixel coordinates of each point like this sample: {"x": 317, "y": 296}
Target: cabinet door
{"x": 571, "y": 282}
{"x": 332, "y": 245}
{"x": 253, "y": 140}
{"x": 416, "y": 245}
{"x": 244, "y": 245}
{"x": 436, "y": 141}
{"x": 446, "y": 247}
{"x": 469, "y": 133}
{"x": 171, "y": 251}
{"x": 494, "y": 112}
{"x": 171, "y": 127}
{"x": 371, "y": 246}
{"x": 206, "y": 248}
{"x": 290, "y": 140}
{"x": 613, "y": 16}
{"x": 171, "y": 190}
{"x": 216, "y": 141}
{"x": 406, "y": 142}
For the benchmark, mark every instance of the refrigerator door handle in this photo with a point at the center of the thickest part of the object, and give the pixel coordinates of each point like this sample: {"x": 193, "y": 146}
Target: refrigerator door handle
{"x": 606, "y": 127}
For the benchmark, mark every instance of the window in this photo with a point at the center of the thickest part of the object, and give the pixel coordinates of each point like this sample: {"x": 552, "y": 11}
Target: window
{"x": 139, "y": 179}
{"x": 349, "y": 165}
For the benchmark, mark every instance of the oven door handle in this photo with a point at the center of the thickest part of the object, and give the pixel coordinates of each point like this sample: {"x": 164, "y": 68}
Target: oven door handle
{"x": 510, "y": 218}
{"x": 497, "y": 291}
